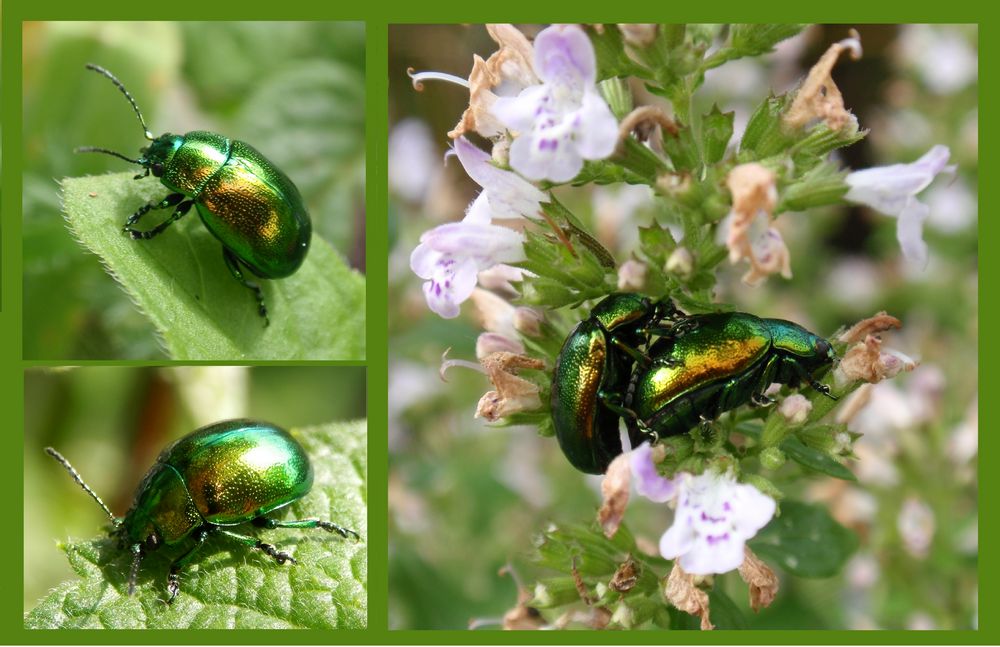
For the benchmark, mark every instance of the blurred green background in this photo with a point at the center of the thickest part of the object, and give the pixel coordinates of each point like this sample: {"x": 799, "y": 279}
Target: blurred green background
{"x": 295, "y": 91}
{"x": 465, "y": 498}
{"x": 112, "y": 422}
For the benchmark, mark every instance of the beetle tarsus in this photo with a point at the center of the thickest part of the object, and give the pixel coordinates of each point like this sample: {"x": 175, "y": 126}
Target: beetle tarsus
{"x": 279, "y": 556}
{"x": 173, "y": 586}
{"x": 824, "y": 389}
{"x": 233, "y": 263}
{"x": 329, "y": 526}
{"x": 181, "y": 209}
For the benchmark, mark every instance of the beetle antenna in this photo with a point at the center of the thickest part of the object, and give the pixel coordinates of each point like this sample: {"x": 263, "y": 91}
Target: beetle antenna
{"x": 94, "y": 149}
{"x": 101, "y": 70}
{"x": 79, "y": 480}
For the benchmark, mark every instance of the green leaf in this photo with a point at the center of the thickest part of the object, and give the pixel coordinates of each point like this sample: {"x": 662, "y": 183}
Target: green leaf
{"x": 229, "y": 586}
{"x": 821, "y": 185}
{"x": 815, "y": 459}
{"x": 717, "y": 130}
{"x": 609, "y": 49}
{"x": 180, "y": 281}
{"x": 805, "y": 541}
{"x": 764, "y": 135}
{"x": 756, "y": 39}
{"x": 723, "y": 612}
{"x": 682, "y": 148}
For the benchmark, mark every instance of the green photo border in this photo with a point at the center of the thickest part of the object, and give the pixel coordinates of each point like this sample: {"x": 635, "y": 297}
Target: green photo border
{"x": 377, "y": 16}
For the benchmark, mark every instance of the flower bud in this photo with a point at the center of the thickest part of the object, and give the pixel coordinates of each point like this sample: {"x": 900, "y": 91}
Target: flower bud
{"x": 639, "y": 35}
{"x": 528, "y": 321}
{"x": 492, "y": 342}
{"x": 772, "y": 458}
{"x": 632, "y": 276}
{"x": 680, "y": 262}
{"x": 795, "y": 408}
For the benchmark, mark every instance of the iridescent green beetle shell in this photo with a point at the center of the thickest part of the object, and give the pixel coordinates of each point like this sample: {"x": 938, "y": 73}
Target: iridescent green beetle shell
{"x": 224, "y": 474}
{"x": 720, "y": 363}
{"x": 246, "y": 201}
{"x": 587, "y": 366}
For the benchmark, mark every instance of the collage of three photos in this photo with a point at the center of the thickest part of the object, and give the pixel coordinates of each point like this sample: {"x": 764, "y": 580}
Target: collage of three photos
{"x": 681, "y": 325}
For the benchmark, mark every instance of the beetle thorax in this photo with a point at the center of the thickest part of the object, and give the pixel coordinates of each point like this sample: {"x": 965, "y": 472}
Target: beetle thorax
{"x": 162, "y": 507}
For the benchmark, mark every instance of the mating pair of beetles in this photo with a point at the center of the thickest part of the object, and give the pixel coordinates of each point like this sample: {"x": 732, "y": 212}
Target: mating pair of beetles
{"x": 699, "y": 367}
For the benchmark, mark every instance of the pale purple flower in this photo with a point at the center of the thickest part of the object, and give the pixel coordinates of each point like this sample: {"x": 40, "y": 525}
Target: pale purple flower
{"x": 563, "y": 121}
{"x": 413, "y": 159}
{"x": 508, "y": 194}
{"x": 916, "y": 525}
{"x": 450, "y": 256}
{"x": 648, "y": 480}
{"x": 892, "y": 190}
{"x": 714, "y": 519}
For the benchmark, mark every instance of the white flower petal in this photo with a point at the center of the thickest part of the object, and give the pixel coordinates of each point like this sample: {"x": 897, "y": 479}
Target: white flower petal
{"x": 423, "y": 260}
{"x": 892, "y": 190}
{"x": 910, "y": 231}
{"x": 451, "y": 285}
{"x": 564, "y": 54}
{"x": 752, "y": 509}
{"x": 564, "y": 120}
{"x": 887, "y": 188}
{"x": 509, "y": 196}
{"x": 518, "y": 113}
{"x": 717, "y": 554}
{"x": 648, "y": 480}
{"x": 678, "y": 540}
{"x": 599, "y": 138}
{"x": 478, "y": 212}
{"x": 714, "y": 519}
{"x": 491, "y": 244}
{"x": 451, "y": 256}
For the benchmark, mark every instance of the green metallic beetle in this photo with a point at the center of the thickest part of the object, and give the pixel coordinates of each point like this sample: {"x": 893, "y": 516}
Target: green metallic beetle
{"x": 719, "y": 362}
{"x": 220, "y": 476}
{"x": 243, "y": 199}
{"x": 592, "y": 372}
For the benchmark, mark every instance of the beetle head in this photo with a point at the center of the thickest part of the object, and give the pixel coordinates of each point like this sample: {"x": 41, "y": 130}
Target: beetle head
{"x": 811, "y": 351}
{"x": 156, "y": 156}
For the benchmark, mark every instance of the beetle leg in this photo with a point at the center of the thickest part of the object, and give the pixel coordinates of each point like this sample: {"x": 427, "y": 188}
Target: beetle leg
{"x": 636, "y": 354}
{"x": 761, "y": 400}
{"x": 181, "y": 209}
{"x": 134, "y": 573}
{"x": 667, "y": 309}
{"x": 233, "y": 264}
{"x": 170, "y": 201}
{"x": 684, "y": 326}
{"x": 278, "y": 556}
{"x": 808, "y": 379}
{"x": 173, "y": 577}
{"x": 824, "y": 389}
{"x": 329, "y": 526}
{"x": 613, "y": 402}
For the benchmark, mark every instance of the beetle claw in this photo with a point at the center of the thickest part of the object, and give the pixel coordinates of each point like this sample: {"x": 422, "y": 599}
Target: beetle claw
{"x": 825, "y": 390}
{"x": 279, "y": 556}
{"x": 329, "y": 526}
{"x": 173, "y": 586}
